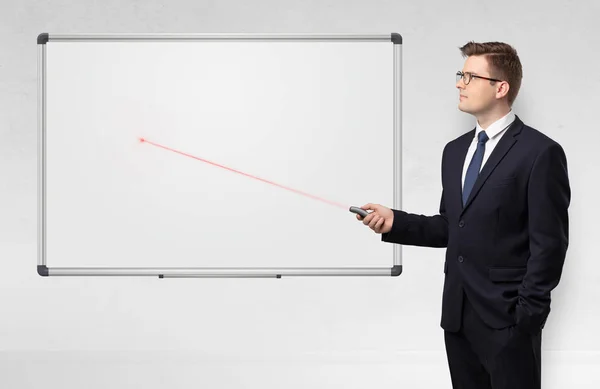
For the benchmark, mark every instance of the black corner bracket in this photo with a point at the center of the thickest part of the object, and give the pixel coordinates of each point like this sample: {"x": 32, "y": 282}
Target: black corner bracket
{"x": 42, "y": 39}
{"x": 396, "y": 270}
{"x": 396, "y": 38}
{"x": 42, "y": 270}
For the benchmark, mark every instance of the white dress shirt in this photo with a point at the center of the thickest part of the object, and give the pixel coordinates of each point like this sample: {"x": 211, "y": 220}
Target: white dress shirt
{"x": 494, "y": 133}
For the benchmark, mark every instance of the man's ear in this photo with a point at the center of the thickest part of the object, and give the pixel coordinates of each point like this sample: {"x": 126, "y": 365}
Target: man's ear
{"x": 502, "y": 89}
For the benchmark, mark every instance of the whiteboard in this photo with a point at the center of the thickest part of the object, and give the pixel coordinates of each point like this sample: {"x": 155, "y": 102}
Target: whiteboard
{"x": 232, "y": 155}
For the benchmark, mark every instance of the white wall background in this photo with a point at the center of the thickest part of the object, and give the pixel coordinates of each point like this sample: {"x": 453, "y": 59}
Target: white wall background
{"x": 298, "y": 332}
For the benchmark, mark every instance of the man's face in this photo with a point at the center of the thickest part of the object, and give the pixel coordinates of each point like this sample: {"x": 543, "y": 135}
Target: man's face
{"x": 479, "y": 95}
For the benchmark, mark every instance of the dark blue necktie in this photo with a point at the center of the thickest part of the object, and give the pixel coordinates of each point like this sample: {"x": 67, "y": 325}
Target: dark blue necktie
{"x": 474, "y": 166}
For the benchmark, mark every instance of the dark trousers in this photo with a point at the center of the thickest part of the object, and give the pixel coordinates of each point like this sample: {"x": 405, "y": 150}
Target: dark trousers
{"x": 481, "y": 357}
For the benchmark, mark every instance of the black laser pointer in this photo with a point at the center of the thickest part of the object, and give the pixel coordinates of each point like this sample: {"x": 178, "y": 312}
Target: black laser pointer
{"x": 359, "y": 211}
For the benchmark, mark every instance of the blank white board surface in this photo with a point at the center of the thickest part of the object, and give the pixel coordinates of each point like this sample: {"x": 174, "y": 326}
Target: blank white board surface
{"x": 216, "y": 153}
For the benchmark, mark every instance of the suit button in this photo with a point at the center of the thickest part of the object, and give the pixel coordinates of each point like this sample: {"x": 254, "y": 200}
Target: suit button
{"x": 460, "y": 258}
{"x": 461, "y": 223}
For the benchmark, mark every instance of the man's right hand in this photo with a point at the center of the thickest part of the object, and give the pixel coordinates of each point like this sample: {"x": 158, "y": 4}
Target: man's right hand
{"x": 380, "y": 220}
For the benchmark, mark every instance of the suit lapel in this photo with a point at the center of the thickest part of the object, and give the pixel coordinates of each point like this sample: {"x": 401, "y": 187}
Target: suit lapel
{"x": 459, "y": 165}
{"x": 505, "y": 144}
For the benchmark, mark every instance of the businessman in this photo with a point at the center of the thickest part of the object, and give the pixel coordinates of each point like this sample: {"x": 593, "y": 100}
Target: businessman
{"x": 503, "y": 218}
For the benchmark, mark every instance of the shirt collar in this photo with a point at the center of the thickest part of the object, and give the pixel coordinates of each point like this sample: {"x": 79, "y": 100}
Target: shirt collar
{"x": 498, "y": 126}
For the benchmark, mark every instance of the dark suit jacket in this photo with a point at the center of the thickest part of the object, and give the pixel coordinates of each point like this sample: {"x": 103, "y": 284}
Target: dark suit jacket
{"x": 506, "y": 247}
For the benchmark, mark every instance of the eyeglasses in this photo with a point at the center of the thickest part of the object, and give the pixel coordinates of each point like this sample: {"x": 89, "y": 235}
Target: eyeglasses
{"x": 466, "y": 77}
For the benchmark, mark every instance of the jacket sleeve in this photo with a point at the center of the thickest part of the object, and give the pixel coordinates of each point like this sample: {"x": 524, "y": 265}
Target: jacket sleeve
{"x": 548, "y": 199}
{"x": 419, "y": 230}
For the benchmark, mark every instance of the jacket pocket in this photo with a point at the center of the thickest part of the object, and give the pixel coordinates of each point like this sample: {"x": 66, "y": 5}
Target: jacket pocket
{"x": 507, "y": 274}
{"x": 503, "y": 181}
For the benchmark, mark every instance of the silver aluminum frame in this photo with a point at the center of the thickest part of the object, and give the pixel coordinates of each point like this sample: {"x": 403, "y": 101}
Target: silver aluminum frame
{"x": 213, "y": 272}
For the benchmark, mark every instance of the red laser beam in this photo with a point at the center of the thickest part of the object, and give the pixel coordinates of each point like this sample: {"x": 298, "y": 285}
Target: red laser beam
{"x": 143, "y": 140}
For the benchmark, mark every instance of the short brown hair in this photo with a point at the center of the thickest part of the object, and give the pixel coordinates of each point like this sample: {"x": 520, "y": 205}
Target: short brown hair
{"x": 503, "y": 62}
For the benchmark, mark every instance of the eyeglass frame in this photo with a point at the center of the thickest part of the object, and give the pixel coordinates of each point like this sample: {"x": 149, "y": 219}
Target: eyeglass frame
{"x": 462, "y": 75}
